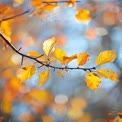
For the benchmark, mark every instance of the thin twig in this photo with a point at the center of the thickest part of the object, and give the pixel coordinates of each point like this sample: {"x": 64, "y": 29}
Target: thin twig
{"x": 61, "y": 1}
{"x": 40, "y": 62}
{"x": 9, "y": 18}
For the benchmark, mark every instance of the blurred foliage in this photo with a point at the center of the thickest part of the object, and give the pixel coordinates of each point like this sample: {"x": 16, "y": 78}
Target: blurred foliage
{"x": 90, "y": 26}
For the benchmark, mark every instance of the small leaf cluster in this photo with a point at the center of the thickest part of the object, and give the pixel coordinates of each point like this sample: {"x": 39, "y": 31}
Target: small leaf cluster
{"x": 52, "y": 53}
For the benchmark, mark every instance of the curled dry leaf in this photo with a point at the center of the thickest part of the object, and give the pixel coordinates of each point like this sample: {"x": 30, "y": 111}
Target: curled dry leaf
{"x": 48, "y": 45}
{"x": 26, "y": 73}
{"x": 83, "y": 16}
{"x": 106, "y": 57}
{"x": 92, "y": 81}
{"x": 82, "y": 58}
{"x": 108, "y": 74}
{"x": 43, "y": 77}
{"x": 67, "y": 59}
{"x": 59, "y": 54}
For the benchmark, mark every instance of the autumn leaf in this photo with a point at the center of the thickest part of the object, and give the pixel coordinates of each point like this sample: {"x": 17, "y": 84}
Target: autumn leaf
{"x": 33, "y": 53}
{"x": 6, "y": 106}
{"x": 44, "y": 8}
{"x": 48, "y": 45}
{"x": 82, "y": 58}
{"x": 26, "y": 73}
{"x": 106, "y": 57}
{"x": 36, "y": 3}
{"x": 50, "y": 7}
{"x": 83, "y": 16}
{"x": 19, "y": 1}
{"x": 92, "y": 81}
{"x": 59, "y": 54}
{"x": 4, "y": 10}
{"x": 71, "y": 3}
{"x": 43, "y": 77}
{"x": 108, "y": 74}
{"x": 5, "y": 29}
{"x": 67, "y": 59}
{"x": 40, "y": 57}
{"x": 60, "y": 73}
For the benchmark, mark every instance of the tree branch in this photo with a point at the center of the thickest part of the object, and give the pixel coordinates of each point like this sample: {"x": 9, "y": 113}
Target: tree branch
{"x": 40, "y": 62}
{"x": 62, "y": 1}
{"x": 25, "y": 12}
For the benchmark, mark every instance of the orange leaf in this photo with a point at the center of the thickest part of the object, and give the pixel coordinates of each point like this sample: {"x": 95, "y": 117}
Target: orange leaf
{"x": 66, "y": 59}
{"x": 92, "y": 81}
{"x": 60, "y": 73}
{"x": 6, "y": 106}
{"x": 83, "y": 16}
{"x": 26, "y": 73}
{"x": 106, "y": 57}
{"x": 82, "y": 58}
{"x": 108, "y": 74}
{"x": 50, "y": 7}
{"x": 4, "y": 10}
{"x": 48, "y": 45}
{"x": 59, "y": 54}
{"x": 43, "y": 77}
{"x": 36, "y": 3}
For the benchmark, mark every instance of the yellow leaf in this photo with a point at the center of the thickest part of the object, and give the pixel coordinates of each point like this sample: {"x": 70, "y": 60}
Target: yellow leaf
{"x": 19, "y": 1}
{"x": 60, "y": 73}
{"x": 59, "y": 54}
{"x": 6, "y": 31}
{"x": 41, "y": 58}
{"x": 5, "y": 28}
{"x": 92, "y": 81}
{"x": 33, "y": 53}
{"x": 6, "y": 106}
{"x": 106, "y": 57}
{"x": 26, "y": 73}
{"x": 48, "y": 45}
{"x": 36, "y": 3}
{"x": 42, "y": 95}
{"x": 82, "y": 58}
{"x": 67, "y": 59}
{"x": 50, "y": 7}
{"x": 83, "y": 16}
{"x": 43, "y": 77}
{"x": 108, "y": 74}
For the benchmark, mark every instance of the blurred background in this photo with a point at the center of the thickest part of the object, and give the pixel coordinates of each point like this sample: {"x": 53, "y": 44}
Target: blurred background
{"x": 65, "y": 99}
